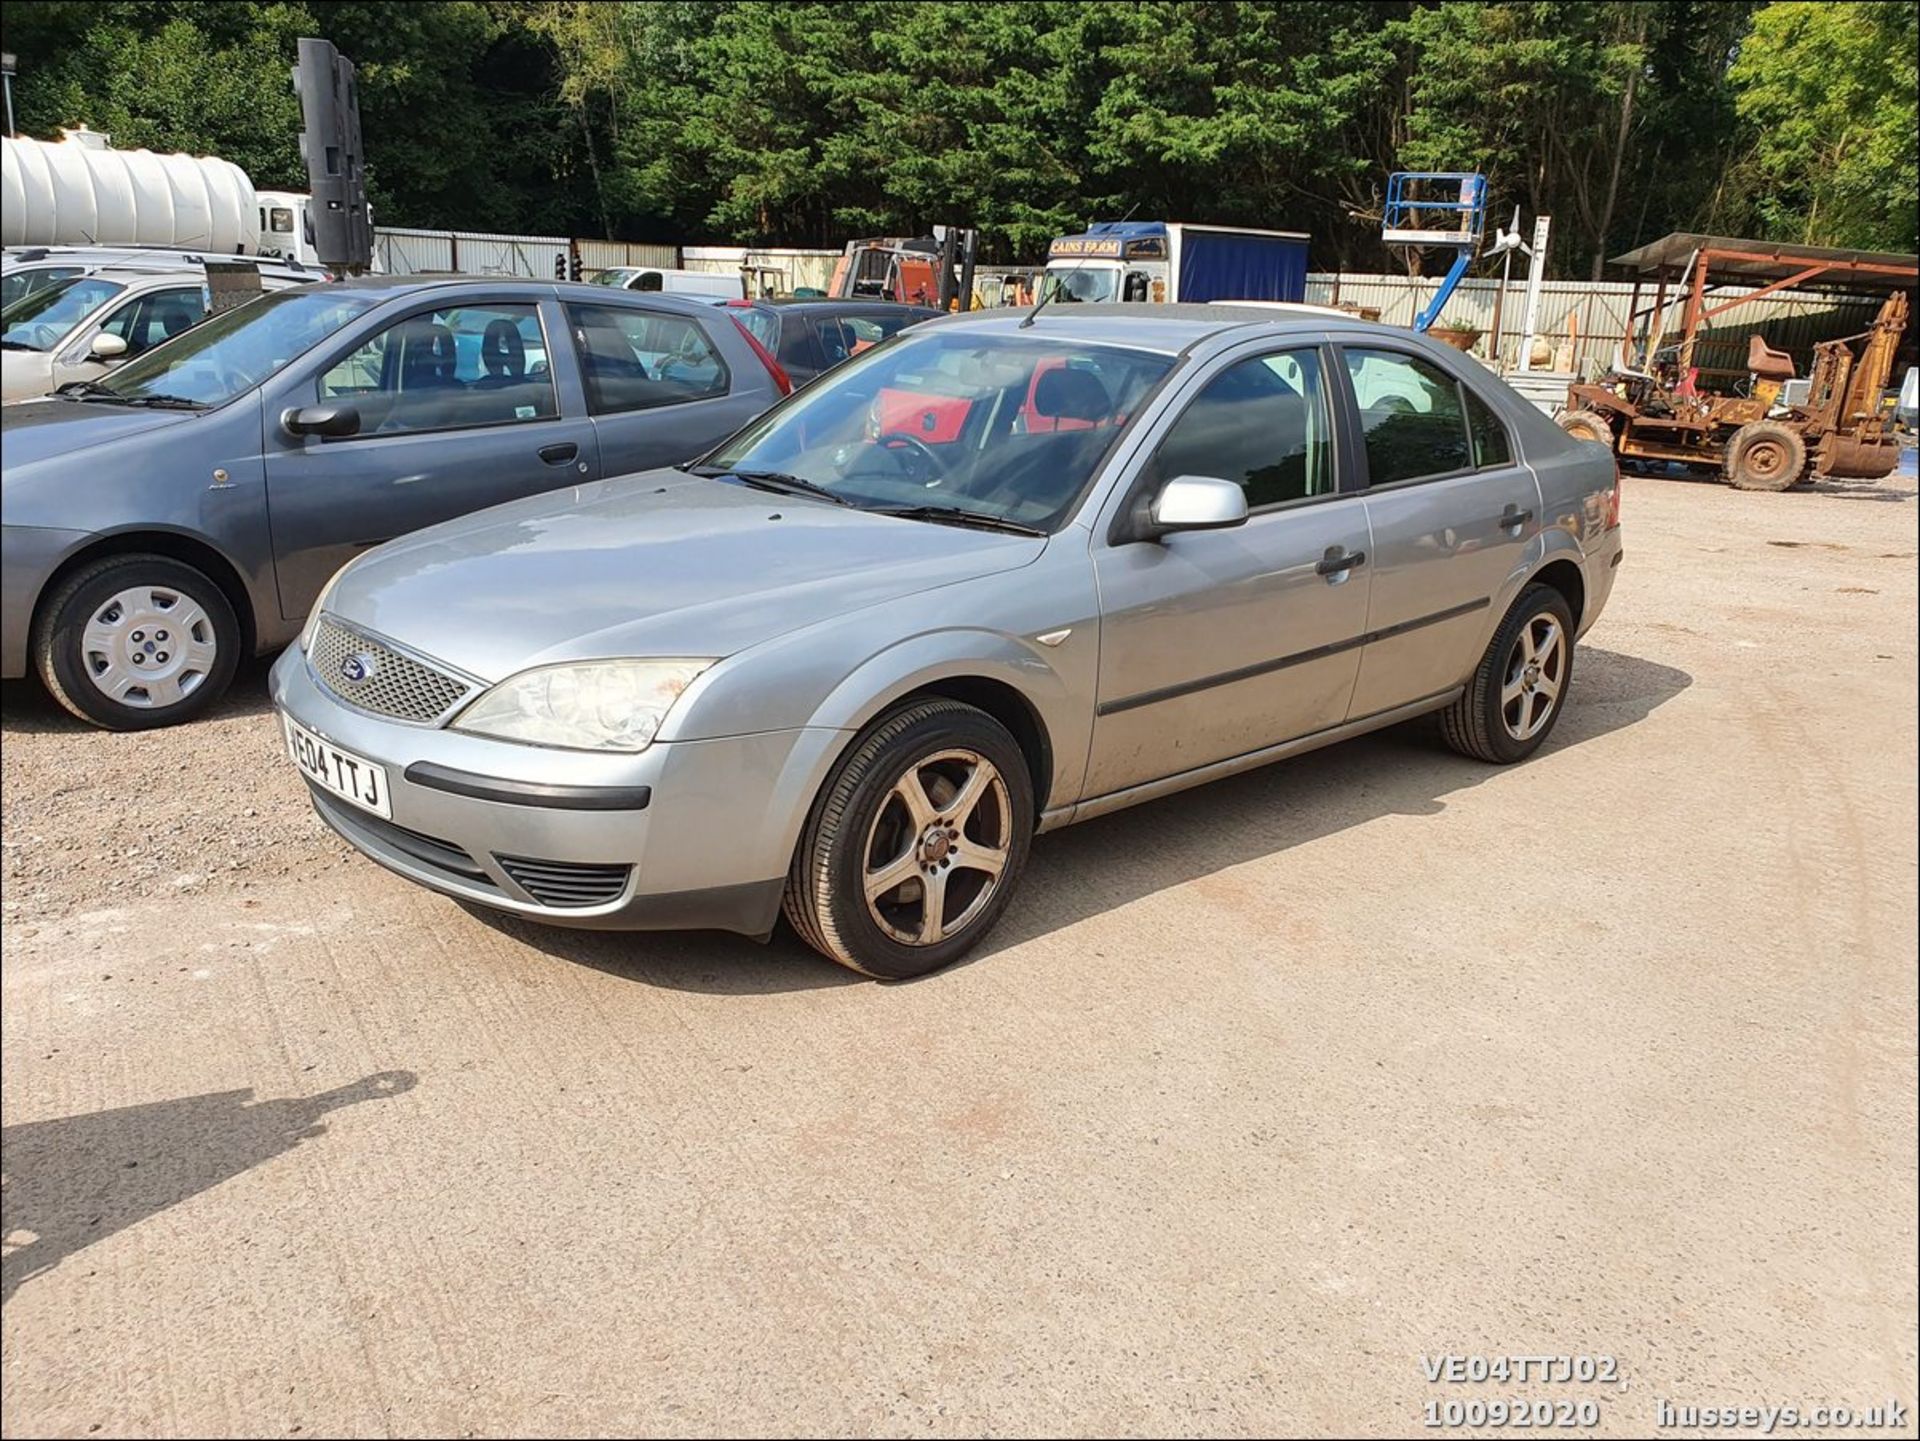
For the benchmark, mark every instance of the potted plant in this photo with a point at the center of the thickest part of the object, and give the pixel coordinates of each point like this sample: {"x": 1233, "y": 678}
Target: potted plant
{"x": 1457, "y": 333}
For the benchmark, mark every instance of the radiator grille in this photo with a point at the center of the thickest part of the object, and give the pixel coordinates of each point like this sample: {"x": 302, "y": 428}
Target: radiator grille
{"x": 389, "y": 683}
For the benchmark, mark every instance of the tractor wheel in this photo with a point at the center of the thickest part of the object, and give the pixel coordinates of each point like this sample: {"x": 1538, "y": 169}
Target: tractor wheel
{"x": 1587, "y": 425}
{"x": 1764, "y": 456}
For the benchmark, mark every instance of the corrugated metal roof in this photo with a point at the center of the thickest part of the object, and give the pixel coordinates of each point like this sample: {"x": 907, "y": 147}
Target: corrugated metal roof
{"x": 1765, "y": 261}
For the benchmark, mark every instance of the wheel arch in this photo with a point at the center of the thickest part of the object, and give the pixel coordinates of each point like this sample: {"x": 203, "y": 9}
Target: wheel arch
{"x": 174, "y": 545}
{"x": 1563, "y": 573}
{"x": 992, "y": 672}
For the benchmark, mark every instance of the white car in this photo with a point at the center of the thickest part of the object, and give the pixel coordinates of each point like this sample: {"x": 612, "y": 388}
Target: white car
{"x": 694, "y": 284}
{"x": 80, "y": 327}
{"x": 26, "y": 268}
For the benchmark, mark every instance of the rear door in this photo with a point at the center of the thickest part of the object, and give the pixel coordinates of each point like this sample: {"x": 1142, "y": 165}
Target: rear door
{"x": 1452, "y": 513}
{"x": 461, "y": 407}
{"x": 663, "y": 385}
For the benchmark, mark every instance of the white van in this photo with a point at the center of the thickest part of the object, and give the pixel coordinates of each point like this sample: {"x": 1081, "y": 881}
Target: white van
{"x": 695, "y": 284}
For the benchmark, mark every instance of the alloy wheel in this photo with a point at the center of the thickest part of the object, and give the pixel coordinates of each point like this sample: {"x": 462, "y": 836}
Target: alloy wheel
{"x": 1535, "y": 672}
{"x": 938, "y": 847}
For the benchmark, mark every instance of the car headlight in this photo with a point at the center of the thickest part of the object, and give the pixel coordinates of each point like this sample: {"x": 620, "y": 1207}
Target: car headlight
{"x": 602, "y": 705}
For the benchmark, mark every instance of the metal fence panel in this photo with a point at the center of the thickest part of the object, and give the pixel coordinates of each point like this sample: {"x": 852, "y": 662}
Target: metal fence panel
{"x": 597, "y": 255}
{"x": 797, "y": 268}
{"x": 409, "y": 252}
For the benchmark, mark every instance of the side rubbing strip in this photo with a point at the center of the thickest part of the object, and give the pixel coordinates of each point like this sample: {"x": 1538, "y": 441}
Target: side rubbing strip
{"x": 1267, "y": 667}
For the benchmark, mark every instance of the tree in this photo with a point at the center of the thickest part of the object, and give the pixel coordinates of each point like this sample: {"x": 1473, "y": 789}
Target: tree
{"x": 1827, "y": 92}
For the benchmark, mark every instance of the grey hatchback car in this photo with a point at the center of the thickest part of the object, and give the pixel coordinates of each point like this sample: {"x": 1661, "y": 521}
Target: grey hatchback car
{"x": 186, "y": 510}
{"x": 988, "y": 578}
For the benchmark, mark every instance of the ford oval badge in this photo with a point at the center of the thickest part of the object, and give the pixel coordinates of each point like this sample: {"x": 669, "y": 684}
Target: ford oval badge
{"x": 358, "y": 668}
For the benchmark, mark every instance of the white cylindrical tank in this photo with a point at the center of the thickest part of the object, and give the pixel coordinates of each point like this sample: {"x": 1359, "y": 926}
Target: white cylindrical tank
{"x": 77, "y": 192}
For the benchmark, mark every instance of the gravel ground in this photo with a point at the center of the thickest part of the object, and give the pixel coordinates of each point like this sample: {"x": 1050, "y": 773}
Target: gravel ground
{"x": 1260, "y": 1095}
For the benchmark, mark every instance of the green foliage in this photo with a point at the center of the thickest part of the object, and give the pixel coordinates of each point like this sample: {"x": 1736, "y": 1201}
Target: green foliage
{"x": 1828, "y": 91}
{"x": 809, "y": 123}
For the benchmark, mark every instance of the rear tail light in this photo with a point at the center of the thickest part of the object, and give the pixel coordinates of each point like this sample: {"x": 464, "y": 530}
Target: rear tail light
{"x": 1613, "y": 502}
{"x": 782, "y": 382}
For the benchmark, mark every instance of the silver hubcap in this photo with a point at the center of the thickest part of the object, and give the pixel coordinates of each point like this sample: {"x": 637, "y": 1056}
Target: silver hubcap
{"x": 938, "y": 847}
{"x": 149, "y": 647}
{"x": 1536, "y": 670}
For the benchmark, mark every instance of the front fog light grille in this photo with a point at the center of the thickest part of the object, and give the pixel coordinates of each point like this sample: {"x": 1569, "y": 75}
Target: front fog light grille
{"x": 566, "y": 884}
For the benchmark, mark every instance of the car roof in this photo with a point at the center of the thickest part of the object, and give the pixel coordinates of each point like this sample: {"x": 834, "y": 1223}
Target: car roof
{"x": 828, "y": 302}
{"x": 380, "y": 288}
{"x": 1168, "y": 329}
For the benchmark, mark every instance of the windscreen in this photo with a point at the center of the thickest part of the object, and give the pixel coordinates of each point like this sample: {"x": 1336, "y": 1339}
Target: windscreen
{"x": 41, "y": 319}
{"x": 212, "y": 363}
{"x": 1000, "y": 426}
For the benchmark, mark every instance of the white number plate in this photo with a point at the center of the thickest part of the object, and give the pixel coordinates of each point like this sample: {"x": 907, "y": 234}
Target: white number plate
{"x": 342, "y": 773}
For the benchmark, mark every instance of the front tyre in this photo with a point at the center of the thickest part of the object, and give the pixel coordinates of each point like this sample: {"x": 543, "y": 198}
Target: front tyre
{"x": 913, "y": 850}
{"x": 134, "y": 642}
{"x": 1520, "y": 686}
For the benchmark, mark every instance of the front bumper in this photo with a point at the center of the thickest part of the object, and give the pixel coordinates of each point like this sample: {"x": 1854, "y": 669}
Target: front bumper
{"x": 686, "y": 835}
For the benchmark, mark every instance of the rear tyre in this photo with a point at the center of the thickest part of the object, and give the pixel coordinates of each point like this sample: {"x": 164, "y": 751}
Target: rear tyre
{"x": 134, "y": 642}
{"x": 1519, "y": 688}
{"x": 1587, "y": 425}
{"x": 912, "y": 851}
{"x": 1764, "y": 455}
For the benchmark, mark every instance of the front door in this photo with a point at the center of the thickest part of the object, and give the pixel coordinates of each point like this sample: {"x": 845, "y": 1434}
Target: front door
{"x": 1452, "y": 513}
{"x": 1217, "y": 643}
{"x": 458, "y": 412}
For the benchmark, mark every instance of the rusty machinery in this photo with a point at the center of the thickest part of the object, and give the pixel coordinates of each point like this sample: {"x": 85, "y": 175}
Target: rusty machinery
{"x": 932, "y": 270}
{"x": 1654, "y": 409}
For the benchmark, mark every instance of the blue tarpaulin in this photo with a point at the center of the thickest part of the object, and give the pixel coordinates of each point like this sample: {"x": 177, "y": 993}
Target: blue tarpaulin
{"x": 1224, "y": 265}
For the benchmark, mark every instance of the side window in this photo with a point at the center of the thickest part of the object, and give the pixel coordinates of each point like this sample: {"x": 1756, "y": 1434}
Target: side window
{"x": 1410, "y": 411}
{"x": 447, "y": 369}
{"x": 1490, "y": 444}
{"x": 864, "y": 331}
{"x": 835, "y": 344}
{"x": 1262, "y": 423}
{"x": 145, "y": 322}
{"x": 637, "y": 359}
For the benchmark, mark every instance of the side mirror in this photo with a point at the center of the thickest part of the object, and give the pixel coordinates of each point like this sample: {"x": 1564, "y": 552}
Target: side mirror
{"x": 1193, "y": 502}
{"x": 325, "y": 420}
{"x": 107, "y": 346}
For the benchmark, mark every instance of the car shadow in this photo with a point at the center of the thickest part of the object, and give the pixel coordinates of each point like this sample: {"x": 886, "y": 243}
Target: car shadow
{"x": 78, "y": 1179}
{"x": 1116, "y": 859}
{"x": 27, "y": 709}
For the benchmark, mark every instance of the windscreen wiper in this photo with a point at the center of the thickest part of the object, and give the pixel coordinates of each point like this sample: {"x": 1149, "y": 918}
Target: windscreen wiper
{"x": 165, "y": 402}
{"x": 776, "y": 481}
{"x": 954, "y": 515}
{"x": 88, "y": 390}
{"x": 18, "y": 345}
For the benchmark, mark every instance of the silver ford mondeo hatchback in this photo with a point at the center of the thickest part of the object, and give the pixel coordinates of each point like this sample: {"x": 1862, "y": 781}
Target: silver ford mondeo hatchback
{"x": 991, "y": 577}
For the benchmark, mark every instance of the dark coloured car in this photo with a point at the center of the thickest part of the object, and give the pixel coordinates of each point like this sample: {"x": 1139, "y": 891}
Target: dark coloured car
{"x": 811, "y": 336}
{"x": 188, "y": 508}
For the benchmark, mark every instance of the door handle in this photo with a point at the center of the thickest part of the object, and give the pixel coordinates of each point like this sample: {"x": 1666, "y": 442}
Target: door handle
{"x": 1513, "y": 518}
{"x": 1338, "y": 560}
{"x": 559, "y": 454}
